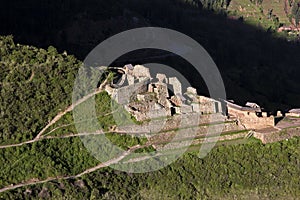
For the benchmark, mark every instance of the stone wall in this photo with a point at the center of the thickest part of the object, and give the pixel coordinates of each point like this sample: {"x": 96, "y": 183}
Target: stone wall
{"x": 122, "y": 95}
{"x": 250, "y": 120}
{"x": 175, "y": 122}
{"x": 161, "y": 91}
{"x": 182, "y": 138}
{"x": 260, "y": 136}
{"x": 292, "y": 114}
{"x": 156, "y": 113}
{"x": 208, "y": 105}
{"x": 148, "y": 113}
{"x": 140, "y": 71}
{"x": 277, "y": 135}
{"x": 175, "y": 83}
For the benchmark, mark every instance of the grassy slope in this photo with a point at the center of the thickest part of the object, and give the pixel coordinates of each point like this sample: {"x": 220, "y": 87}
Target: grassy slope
{"x": 62, "y": 156}
{"x": 245, "y": 171}
{"x": 278, "y": 9}
{"x": 253, "y": 15}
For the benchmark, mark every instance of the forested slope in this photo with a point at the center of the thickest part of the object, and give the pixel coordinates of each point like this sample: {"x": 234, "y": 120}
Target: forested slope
{"x": 36, "y": 84}
{"x": 255, "y": 64}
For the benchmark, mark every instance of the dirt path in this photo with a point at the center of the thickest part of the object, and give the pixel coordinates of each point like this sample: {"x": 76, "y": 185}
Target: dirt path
{"x": 112, "y": 161}
{"x": 70, "y": 108}
{"x": 19, "y": 144}
{"x": 58, "y": 117}
{"x": 101, "y": 165}
{"x": 58, "y": 137}
{"x": 90, "y": 170}
{"x": 73, "y": 123}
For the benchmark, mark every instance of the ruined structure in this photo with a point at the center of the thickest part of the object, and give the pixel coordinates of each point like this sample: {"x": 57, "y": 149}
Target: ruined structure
{"x": 161, "y": 97}
{"x": 174, "y": 109}
{"x": 294, "y": 112}
{"x": 251, "y": 116}
{"x": 148, "y": 98}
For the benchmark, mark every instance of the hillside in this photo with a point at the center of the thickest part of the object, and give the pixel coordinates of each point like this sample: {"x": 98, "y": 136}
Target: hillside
{"x": 258, "y": 14}
{"x": 42, "y": 155}
{"x": 55, "y": 164}
{"x": 252, "y": 60}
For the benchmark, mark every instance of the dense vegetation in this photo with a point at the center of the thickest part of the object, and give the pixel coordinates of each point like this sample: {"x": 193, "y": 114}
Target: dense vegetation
{"x": 43, "y": 159}
{"x": 252, "y": 60}
{"x": 36, "y": 84}
{"x": 40, "y": 81}
{"x": 107, "y": 111}
{"x": 245, "y": 171}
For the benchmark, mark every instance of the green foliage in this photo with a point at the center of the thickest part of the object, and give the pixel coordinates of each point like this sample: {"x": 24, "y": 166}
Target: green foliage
{"x": 43, "y": 159}
{"x": 35, "y": 85}
{"x": 125, "y": 141}
{"x": 215, "y": 4}
{"x": 107, "y": 111}
{"x": 267, "y": 171}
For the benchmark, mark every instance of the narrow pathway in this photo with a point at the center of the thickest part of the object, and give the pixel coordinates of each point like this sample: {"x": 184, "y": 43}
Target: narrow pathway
{"x": 101, "y": 165}
{"x": 71, "y": 107}
{"x": 57, "y": 137}
{"x": 58, "y": 117}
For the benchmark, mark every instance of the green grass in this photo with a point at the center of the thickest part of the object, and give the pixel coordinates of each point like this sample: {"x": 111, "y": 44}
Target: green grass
{"x": 278, "y": 9}
{"x": 107, "y": 111}
{"x": 251, "y": 13}
{"x": 46, "y": 158}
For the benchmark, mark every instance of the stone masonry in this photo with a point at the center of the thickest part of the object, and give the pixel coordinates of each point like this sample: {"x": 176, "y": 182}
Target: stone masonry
{"x": 147, "y": 99}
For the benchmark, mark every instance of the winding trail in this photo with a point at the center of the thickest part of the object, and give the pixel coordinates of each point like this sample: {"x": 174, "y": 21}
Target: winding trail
{"x": 73, "y": 123}
{"x": 101, "y": 165}
{"x": 53, "y": 121}
{"x": 70, "y": 108}
{"x": 57, "y": 137}
{"x": 58, "y": 117}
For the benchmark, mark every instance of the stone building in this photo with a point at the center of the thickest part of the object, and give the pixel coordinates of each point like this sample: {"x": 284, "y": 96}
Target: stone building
{"x": 145, "y": 98}
{"x": 294, "y": 112}
{"x": 148, "y": 98}
{"x": 250, "y": 117}
{"x": 209, "y": 105}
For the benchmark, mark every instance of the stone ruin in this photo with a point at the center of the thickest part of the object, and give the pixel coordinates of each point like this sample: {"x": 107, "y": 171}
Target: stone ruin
{"x": 250, "y": 115}
{"x": 294, "y": 112}
{"x": 165, "y": 106}
{"x": 148, "y": 98}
